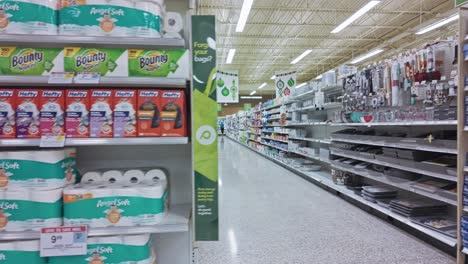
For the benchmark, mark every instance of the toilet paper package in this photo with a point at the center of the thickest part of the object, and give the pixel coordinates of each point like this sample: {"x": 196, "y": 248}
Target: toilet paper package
{"x": 28, "y": 17}
{"x": 158, "y": 63}
{"x": 30, "y": 210}
{"x": 173, "y": 116}
{"x": 125, "y": 105}
{"x": 27, "y": 113}
{"x": 173, "y": 25}
{"x": 108, "y": 62}
{"x": 115, "y": 249}
{"x": 30, "y": 61}
{"x": 40, "y": 170}
{"x": 21, "y": 252}
{"x": 51, "y": 118}
{"x": 77, "y": 105}
{"x": 116, "y": 18}
{"x": 149, "y": 118}
{"x": 101, "y": 114}
{"x": 7, "y": 113}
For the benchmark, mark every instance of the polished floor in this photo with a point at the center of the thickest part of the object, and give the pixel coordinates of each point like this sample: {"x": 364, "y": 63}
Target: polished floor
{"x": 268, "y": 215}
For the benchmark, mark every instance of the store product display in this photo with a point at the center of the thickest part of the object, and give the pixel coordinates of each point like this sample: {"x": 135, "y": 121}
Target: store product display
{"x": 22, "y": 252}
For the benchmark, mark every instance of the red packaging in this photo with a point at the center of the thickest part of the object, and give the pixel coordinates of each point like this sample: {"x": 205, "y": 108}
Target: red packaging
{"x": 7, "y": 113}
{"x": 149, "y": 117}
{"x": 173, "y": 116}
{"x": 27, "y": 113}
{"x": 52, "y": 117}
{"x": 101, "y": 114}
{"x": 125, "y": 114}
{"x": 77, "y": 105}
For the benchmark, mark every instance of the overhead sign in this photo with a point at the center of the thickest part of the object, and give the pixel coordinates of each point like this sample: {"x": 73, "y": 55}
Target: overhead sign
{"x": 227, "y": 86}
{"x": 285, "y": 82}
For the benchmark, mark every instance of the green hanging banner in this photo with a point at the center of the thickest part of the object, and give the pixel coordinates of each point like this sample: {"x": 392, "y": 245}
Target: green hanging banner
{"x": 460, "y": 2}
{"x": 204, "y": 135}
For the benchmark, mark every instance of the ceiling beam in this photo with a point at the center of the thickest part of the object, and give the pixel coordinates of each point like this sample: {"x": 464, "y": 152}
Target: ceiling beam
{"x": 287, "y": 47}
{"x": 297, "y": 38}
{"x": 308, "y": 25}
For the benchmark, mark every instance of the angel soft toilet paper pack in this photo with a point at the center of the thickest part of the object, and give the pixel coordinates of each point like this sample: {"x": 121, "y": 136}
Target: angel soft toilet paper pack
{"x": 108, "y": 62}
{"x": 30, "y": 61}
{"x": 21, "y": 252}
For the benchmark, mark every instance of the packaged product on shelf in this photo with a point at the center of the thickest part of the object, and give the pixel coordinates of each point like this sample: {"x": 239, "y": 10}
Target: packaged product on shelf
{"x": 28, "y": 17}
{"x": 21, "y": 252}
{"x": 101, "y": 115}
{"x": 51, "y": 118}
{"x": 173, "y": 25}
{"x": 7, "y": 113}
{"x": 117, "y": 198}
{"x": 106, "y": 61}
{"x": 116, "y": 18}
{"x": 113, "y": 249}
{"x": 30, "y": 61}
{"x": 27, "y": 114}
{"x": 158, "y": 63}
{"x": 149, "y": 118}
{"x": 125, "y": 114}
{"x": 30, "y": 209}
{"x": 39, "y": 169}
{"x": 173, "y": 117}
{"x": 77, "y": 105}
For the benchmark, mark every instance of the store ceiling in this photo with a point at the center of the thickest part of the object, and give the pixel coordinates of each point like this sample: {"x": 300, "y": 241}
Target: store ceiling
{"x": 279, "y": 31}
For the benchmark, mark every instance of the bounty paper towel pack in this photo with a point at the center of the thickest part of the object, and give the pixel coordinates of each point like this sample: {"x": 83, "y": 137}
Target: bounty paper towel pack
{"x": 7, "y": 113}
{"x": 27, "y": 114}
{"x": 149, "y": 118}
{"x": 158, "y": 63}
{"x": 125, "y": 106}
{"x": 52, "y": 120}
{"x": 30, "y": 61}
{"x": 77, "y": 105}
{"x": 173, "y": 114}
{"x": 28, "y": 17}
{"x": 101, "y": 115}
{"x": 108, "y": 62}
{"x": 134, "y": 249}
{"x": 21, "y": 252}
{"x": 30, "y": 210}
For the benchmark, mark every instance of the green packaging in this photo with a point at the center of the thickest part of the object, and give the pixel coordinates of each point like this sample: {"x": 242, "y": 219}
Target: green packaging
{"x": 108, "y": 62}
{"x": 158, "y": 63}
{"x": 30, "y": 61}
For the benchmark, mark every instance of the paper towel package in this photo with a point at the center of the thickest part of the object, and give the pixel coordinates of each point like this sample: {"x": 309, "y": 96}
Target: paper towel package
{"x": 116, "y": 18}
{"x": 27, "y": 113}
{"x": 28, "y": 17}
{"x": 173, "y": 117}
{"x": 158, "y": 63}
{"x": 30, "y": 210}
{"x": 101, "y": 114}
{"x": 125, "y": 106}
{"x": 115, "y": 249}
{"x": 51, "y": 119}
{"x": 7, "y": 113}
{"x": 30, "y": 61}
{"x": 99, "y": 203}
{"x": 20, "y": 252}
{"x": 108, "y": 62}
{"x": 149, "y": 118}
{"x": 77, "y": 105}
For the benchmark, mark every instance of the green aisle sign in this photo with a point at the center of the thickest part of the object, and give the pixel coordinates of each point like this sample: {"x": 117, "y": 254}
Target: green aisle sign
{"x": 205, "y": 123}
{"x": 460, "y": 2}
{"x": 247, "y": 107}
{"x": 220, "y": 108}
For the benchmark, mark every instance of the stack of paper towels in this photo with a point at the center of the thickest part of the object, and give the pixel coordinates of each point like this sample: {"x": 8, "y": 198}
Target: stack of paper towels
{"x": 117, "y": 198}
{"x": 21, "y": 252}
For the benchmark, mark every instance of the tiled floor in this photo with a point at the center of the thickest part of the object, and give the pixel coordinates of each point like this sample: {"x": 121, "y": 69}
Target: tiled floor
{"x": 269, "y": 215}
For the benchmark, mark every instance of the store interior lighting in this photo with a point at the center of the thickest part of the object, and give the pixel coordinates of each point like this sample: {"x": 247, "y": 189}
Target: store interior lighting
{"x": 251, "y": 97}
{"x": 301, "y": 85}
{"x": 230, "y": 56}
{"x": 368, "y": 55}
{"x": 254, "y": 92}
{"x": 302, "y": 56}
{"x": 273, "y": 77}
{"x": 245, "y": 11}
{"x": 319, "y": 77}
{"x": 262, "y": 86}
{"x": 438, "y": 24}
{"x": 355, "y": 16}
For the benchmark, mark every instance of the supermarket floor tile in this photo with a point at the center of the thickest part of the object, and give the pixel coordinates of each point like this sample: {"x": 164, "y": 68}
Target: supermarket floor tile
{"x": 270, "y": 215}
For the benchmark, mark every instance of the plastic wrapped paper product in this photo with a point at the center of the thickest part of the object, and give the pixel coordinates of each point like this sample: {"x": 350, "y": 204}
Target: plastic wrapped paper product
{"x": 21, "y": 252}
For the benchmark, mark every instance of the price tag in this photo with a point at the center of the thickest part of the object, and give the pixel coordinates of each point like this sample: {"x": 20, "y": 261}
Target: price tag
{"x": 64, "y": 241}
{"x": 88, "y": 77}
{"x": 52, "y": 141}
{"x": 61, "y": 78}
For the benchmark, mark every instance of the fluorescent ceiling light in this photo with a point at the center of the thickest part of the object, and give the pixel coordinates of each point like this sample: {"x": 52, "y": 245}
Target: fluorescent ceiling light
{"x": 262, "y": 86}
{"x": 439, "y": 24}
{"x": 246, "y": 7}
{"x": 300, "y": 85}
{"x": 251, "y": 97}
{"x": 355, "y": 16}
{"x": 273, "y": 77}
{"x": 298, "y": 59}
{"x": 254, "y": 92}
{"x": 368, "y": 55}
{"x": 319, "y": 77}
{"x": 230, "y": 56}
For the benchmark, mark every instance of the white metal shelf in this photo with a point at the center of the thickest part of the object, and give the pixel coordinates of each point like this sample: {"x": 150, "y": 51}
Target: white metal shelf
{"x": 322, "y": 141}
{"x": 413, "y": 123}
{"x": 176, "y": 220}
{"x": 307, "y": 124}
{"x": 279, "y": 140}
{"x": 282, "y": 149}
{"x": 266, "y": 131}
{"x": 326, "y": 106}
{"x": 75, "y": 142}
{"x": 311, "y": 157}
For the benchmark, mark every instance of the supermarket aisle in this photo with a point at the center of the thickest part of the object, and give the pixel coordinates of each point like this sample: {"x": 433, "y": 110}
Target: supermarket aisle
{"x": 270, "y": 215}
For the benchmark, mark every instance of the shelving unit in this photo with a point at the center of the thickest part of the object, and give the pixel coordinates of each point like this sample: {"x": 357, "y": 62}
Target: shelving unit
{"x": 75, "y": 142}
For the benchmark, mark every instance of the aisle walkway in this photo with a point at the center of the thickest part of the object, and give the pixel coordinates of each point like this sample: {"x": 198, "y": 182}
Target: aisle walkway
{"x": 269, "y": 215}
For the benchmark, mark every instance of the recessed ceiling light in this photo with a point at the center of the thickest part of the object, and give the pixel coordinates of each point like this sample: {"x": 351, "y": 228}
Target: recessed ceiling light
{"x": 319, "y": 77}
{"x": 355, "y": 16}
{"x": 303, "y": 55}
{"x": 230, "y": 56}
{"x": 246, "y": 7}
{"x": 273, "y": 77}
{"x": 262, "y": 86}
{"x": 251, "y": 97}
{"x": 438, "y": 24}
{"x": 368, "y": 55}
{"x": 254, "y": 92}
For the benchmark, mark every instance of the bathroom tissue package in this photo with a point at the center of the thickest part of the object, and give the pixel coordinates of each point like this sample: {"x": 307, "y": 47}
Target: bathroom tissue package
{"x": 114, "y": 18}
{"x": 39, "y": 170}
{"x": 158, "y": 63}
{"x": 106, "y": 61}
{"x": 30, "y": 61}
{"x": 101, "y": 115}
{"x": 20, "y": 252}
{"x": 52, "y": 113}
{"x": 125, "y": 105}
{"x": 30, "y": 210}
{"x": 115, "y": 198}
{"x": 28, "y": 113}
{"x": 77, "y": 105}
{"x": 28, "y": 17}
{"x": 7, "y": 113}
{"x": 115, "y": 249}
